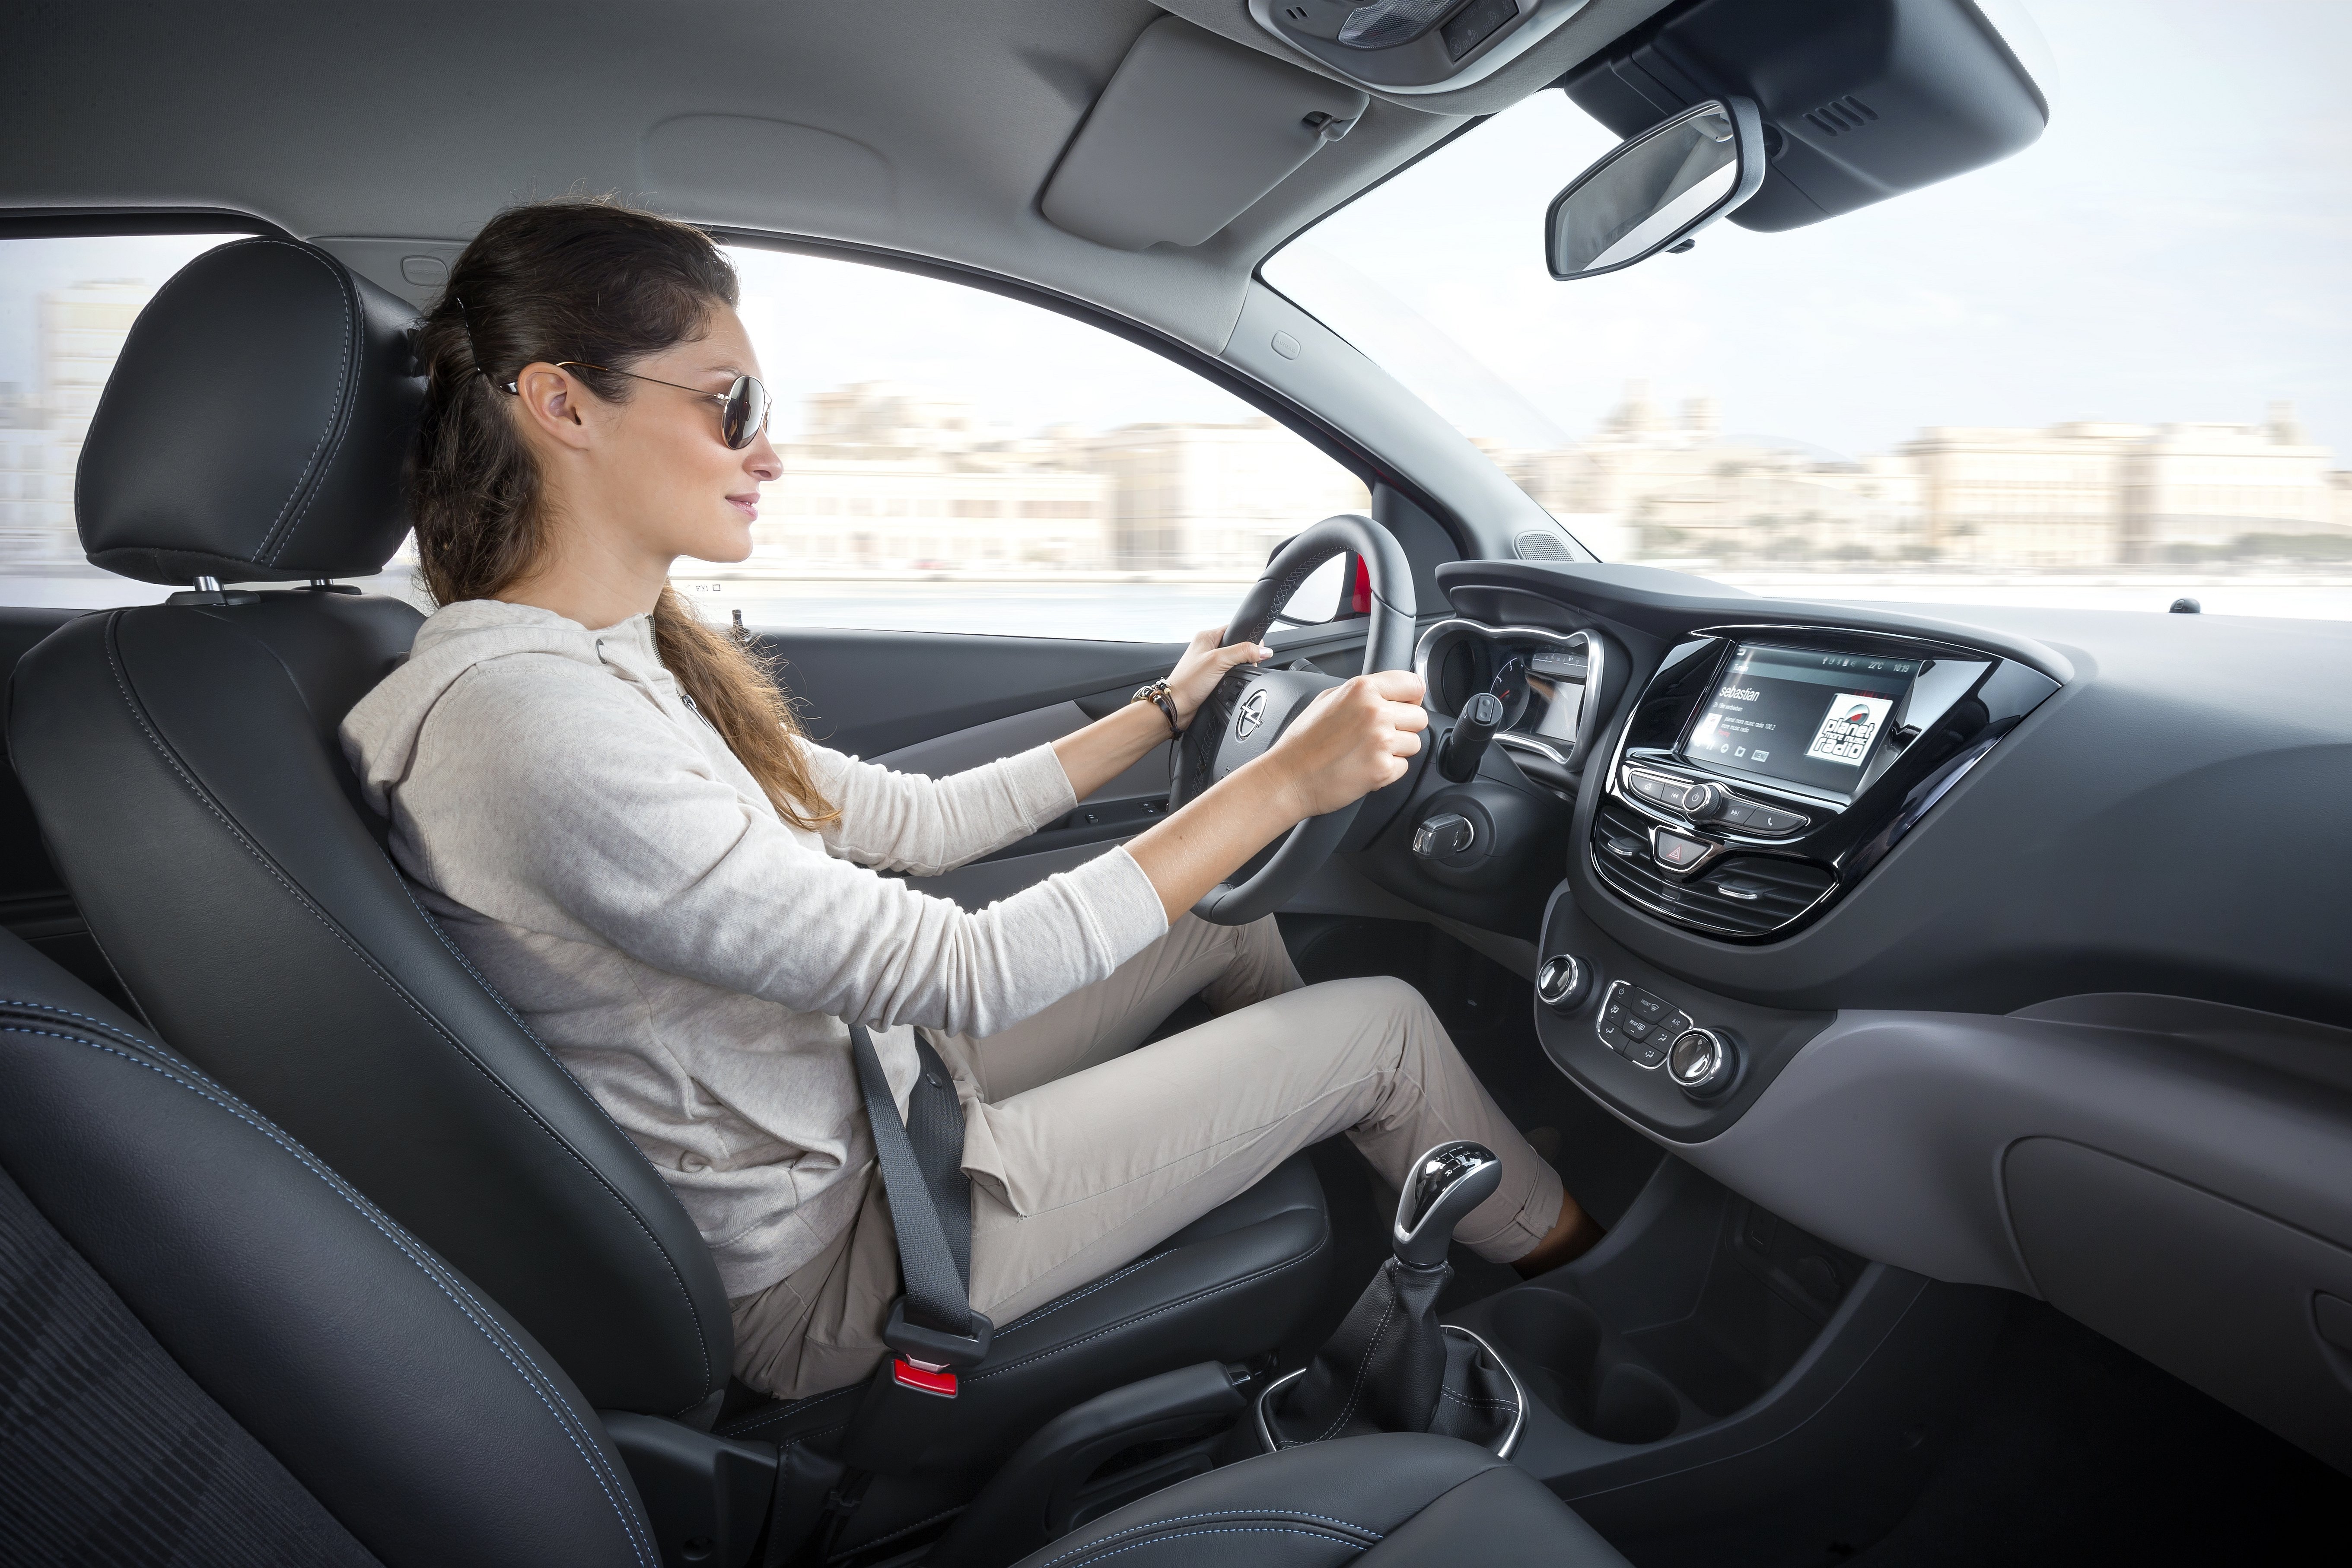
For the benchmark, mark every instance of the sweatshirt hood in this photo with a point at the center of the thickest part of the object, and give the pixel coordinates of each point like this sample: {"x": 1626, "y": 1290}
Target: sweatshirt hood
{"x": 380, "y": 733}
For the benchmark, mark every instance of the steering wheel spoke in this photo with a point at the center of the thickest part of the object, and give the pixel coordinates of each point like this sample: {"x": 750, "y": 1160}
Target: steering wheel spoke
{"x": 1252, "y": 708}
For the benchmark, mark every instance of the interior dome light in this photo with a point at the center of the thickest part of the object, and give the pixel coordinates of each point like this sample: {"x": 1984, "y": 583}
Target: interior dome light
{"x": 1386, "y": 23}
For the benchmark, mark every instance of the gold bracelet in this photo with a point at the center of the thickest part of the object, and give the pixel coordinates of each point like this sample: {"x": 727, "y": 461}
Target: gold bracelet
{"x": 1159, "y": 695}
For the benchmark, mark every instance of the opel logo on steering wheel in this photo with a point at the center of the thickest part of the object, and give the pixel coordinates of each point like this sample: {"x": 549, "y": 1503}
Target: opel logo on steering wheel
{"x": 1253, "y": 714}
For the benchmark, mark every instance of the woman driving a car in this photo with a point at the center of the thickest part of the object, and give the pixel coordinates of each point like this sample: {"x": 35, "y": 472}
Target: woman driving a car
{"x": 615, "y": 812}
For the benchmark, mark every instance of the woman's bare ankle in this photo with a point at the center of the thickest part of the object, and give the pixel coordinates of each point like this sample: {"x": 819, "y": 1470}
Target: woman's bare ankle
{"x": 1569, "y": 1239}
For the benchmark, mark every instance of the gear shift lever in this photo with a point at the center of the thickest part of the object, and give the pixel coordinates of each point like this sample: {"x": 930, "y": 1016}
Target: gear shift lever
{"x": 1446, "y": 1184}
{"x": 1391, "y": 1367}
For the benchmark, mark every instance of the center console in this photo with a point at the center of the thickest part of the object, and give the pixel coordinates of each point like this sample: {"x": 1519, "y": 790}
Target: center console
{"x": 1765, "y": 770}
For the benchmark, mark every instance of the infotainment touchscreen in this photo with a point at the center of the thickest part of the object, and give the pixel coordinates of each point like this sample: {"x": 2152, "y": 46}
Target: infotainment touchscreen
{"x": 1798, "y": 716}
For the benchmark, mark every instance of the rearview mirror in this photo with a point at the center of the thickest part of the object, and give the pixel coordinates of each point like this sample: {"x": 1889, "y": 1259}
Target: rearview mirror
{"x": 1657, "y": 190}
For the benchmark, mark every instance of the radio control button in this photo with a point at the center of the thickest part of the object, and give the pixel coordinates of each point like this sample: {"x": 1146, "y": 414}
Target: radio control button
{"x": 1738, "y": 813}
{"x": 1650, "y": 787}
{"x": 1770, "y": 819}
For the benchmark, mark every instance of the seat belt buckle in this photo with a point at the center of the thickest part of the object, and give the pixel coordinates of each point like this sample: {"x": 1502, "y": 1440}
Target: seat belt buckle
{"x": 923, "y": 1377}
{"x": 927, "y": 1359}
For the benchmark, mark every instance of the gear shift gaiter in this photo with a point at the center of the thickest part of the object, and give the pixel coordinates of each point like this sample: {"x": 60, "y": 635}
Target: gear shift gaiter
{"x": 1391, "y": 1367}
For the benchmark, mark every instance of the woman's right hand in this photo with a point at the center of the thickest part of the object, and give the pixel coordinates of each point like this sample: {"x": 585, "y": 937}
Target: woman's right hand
{"x": 1350, "y": 741}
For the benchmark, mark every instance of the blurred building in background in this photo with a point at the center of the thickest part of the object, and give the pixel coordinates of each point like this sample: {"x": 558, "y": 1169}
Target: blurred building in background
{"x": 80, "y": 329}
{"x": 2083, "y": 494}
{"x": 889, "y": 477}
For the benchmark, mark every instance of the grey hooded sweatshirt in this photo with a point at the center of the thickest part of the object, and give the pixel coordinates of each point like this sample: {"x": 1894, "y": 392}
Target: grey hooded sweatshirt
{"x": 598, "y": 851}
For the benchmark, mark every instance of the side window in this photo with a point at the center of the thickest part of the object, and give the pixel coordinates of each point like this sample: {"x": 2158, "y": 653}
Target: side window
{"x": 955, "y": 460}
{"x": 66, "y": 305}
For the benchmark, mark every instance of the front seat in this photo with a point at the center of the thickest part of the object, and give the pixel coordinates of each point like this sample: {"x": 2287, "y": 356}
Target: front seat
{"x": 182, "y": 760}
{"x": 213, "y": 1349}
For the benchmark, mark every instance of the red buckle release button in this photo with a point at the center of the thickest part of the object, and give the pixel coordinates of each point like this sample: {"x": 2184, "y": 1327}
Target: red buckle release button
{"x": 922, "y": 1380}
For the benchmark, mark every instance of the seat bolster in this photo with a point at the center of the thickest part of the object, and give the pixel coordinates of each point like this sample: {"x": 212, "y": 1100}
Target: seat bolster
{"x": 285, "y": 956}
{"x": 1399, "y": 1500}
{"x": 396, "y": 1392}
{"x": 1512, "y": 1520}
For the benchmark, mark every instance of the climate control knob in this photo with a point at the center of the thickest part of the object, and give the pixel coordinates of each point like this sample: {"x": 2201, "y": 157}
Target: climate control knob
{"x": 1702, "y": 1063}
{"x": 1563, "y": 982}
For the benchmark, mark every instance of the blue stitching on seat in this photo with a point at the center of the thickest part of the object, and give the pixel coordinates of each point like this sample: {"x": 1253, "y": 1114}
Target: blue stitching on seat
{"x": 557, "y": 1407}
{"x": 122, "y": 685}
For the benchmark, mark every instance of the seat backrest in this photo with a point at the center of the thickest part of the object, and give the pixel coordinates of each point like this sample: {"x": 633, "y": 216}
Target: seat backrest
{"x": 215, "y": 1350}
{"x": 183, "y": 763}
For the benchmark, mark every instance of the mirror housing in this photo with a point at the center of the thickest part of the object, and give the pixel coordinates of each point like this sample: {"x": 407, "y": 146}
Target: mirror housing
{"x": 1655, "y": 190}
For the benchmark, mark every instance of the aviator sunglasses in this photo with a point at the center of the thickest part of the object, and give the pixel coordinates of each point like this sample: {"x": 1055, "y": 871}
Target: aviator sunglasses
{"x": 742, "y": 407}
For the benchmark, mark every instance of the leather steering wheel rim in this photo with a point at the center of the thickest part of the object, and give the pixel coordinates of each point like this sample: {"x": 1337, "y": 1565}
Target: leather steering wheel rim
{"x": 1388, "y": 644}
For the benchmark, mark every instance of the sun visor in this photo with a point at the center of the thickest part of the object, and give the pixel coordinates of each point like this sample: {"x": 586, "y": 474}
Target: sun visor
{"x": 1861, "y": 99}
{"x": 1192, "y": 130}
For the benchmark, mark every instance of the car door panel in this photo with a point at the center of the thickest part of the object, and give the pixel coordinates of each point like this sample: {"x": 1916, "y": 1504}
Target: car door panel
{"x": 938, "y": 704}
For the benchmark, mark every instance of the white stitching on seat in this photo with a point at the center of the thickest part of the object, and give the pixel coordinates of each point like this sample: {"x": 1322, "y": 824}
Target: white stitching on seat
{"x": 1058, "y": 1302}
{"x": 1219, "y": 1513}
{"x": 1143, "y": 1317}
{"x": 530, "y": 1111}
{"x": 337, "y": 425}
{"x": 1095, "y": 1556}
{"x": 567, "y": 1419}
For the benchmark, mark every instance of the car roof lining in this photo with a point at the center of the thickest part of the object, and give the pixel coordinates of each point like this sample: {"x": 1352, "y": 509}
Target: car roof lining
{"x": 926, "y": 127}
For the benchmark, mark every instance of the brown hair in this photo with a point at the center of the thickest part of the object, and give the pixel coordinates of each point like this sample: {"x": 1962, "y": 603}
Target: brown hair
{"x": 579, "y": 281}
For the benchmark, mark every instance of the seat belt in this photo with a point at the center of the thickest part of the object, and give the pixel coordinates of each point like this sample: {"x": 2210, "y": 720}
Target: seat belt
{"x": 932, "y": 1326}
{"x": 933, "y": 1332}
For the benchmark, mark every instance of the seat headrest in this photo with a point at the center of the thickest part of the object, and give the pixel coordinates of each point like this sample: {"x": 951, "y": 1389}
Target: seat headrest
{"x": 257, "y": 426}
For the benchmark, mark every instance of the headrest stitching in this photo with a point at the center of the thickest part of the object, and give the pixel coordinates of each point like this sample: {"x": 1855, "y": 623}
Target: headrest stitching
{"x": 336, "y": 424}
{"x": 354, "y": 342}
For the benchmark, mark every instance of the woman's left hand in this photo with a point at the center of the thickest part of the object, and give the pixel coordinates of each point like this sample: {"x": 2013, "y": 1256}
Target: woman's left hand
{"x": 1204, "y": 664}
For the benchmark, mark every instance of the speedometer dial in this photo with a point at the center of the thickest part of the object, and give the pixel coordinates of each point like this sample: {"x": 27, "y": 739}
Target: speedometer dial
{"x": 1510, "y": 684}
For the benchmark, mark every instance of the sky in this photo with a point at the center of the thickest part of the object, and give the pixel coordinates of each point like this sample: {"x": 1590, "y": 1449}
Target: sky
{"x": 2176, "y": 246}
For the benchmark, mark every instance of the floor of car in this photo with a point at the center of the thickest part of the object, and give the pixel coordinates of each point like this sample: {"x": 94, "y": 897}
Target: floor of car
{"x": 2079, "y": 1451}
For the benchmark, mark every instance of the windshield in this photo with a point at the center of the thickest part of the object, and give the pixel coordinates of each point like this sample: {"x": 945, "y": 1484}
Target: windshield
{"x": 2107, "y": 371}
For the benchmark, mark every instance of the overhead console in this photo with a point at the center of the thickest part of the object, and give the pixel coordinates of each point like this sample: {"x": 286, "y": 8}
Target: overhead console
{"x": 1407, "y": 46}
{"x": 1765, "y": 769}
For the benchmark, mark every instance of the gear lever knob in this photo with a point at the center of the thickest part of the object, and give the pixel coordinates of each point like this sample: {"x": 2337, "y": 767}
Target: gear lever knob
{"x": 1446, "y": 1184}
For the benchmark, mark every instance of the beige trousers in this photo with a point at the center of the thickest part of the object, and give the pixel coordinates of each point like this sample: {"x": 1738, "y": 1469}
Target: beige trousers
{"x": 1085, "y": 1151}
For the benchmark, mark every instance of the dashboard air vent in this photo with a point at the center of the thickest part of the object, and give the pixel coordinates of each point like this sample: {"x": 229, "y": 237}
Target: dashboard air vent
{"x": 1740, "y": 895}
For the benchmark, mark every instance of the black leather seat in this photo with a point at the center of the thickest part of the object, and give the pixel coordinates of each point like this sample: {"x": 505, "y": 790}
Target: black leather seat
{"x": 1399, "y": 1500}
{"x": 213, "y": 1349}
{"x": 183, "y": 763}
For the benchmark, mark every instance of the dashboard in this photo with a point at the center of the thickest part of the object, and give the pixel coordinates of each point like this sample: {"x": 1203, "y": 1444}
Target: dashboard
{"x": 2008, "y": 946}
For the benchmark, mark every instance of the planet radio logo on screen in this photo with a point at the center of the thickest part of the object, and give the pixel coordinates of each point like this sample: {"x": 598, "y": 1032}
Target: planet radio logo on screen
{"x": 1849, "y": 727}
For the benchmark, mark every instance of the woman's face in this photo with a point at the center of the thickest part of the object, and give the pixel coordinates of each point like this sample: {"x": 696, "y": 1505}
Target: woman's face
{"x": 660, "y": 467}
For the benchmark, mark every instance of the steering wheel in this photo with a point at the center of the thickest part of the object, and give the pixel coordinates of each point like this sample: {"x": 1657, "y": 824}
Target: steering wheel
{"x": 1254, "y": 705}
